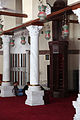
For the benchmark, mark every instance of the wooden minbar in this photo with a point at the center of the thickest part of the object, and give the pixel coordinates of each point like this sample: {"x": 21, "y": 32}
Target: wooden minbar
{"x": 58, "y": 81}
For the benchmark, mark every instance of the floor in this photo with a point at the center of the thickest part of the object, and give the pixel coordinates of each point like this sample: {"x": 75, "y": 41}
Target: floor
{"x": 14, "y": 108}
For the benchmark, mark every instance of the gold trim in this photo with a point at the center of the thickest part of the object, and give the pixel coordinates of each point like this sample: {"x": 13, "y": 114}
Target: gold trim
{"x": 5, "y": 81}
{"x": 33, "y": 85}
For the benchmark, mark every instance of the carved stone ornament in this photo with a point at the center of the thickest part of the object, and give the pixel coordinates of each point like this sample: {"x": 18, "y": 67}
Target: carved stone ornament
{"x": 34, "y": 30}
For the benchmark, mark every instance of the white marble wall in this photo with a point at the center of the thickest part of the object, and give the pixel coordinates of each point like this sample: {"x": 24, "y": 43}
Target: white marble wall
{"x": 18, "y": 47}
{"x": 73, "y": 2}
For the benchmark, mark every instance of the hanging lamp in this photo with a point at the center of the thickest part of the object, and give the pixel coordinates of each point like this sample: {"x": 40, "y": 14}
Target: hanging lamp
{"x": 1, "y": 43}
{"x": 65, "y": 29}
{"x": 47, "y": 32}
{"x": 12, "y": 41}
{"x": 42, "y": 13}
{"x": 1, "y": 26}
{"x": 23, "y": 39}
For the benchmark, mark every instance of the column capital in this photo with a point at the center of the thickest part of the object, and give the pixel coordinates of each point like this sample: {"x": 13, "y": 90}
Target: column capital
{"x": 34, "y": 30}
{"x": 77, "y": 12}
{"x": 6, "y": 38}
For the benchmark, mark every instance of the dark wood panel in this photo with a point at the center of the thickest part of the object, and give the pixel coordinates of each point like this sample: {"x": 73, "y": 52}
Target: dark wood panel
{"x": 73, "y": 51}
{"x": 58, "y": 80}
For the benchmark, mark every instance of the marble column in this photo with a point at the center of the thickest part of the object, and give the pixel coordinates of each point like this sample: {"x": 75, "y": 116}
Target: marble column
{"x": 6, "y": 88}
{"x": 76, "y": 103}
{"x": 27, "y": 65}
{"x": 34, "y": 92}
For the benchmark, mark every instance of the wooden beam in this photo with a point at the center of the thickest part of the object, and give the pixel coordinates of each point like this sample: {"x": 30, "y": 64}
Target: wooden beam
{"x": 69, "y": 8}
{"x": 32, "y": 22}
{"x": 75, "y": 6}
{"x": 73, "y": 21}
{"x": 59, "y": 12}
{"x": 49, "y": 18}
{"x": 13, "y": 14}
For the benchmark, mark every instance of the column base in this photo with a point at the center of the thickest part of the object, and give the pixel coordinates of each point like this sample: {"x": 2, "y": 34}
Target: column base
{"x": 76, "y": 105}
{"x": 6, "y": 91}
{"x": 5, "y": 83}
{"x": 34, "y": 96}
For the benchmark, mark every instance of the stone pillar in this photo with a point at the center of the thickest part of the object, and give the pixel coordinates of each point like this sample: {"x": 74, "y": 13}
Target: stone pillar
{"x": 27, "y": 65}
{"x": 76, "y": 103}
{"x": 6, "y": 88}
{"x": 34, "y": 92}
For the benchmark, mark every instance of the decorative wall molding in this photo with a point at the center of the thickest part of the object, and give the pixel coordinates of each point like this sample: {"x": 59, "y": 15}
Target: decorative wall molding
{"x": 73, "y": 51}
{"x": 34, "y": 30}
{"x": 44, "y": 52}
{"x": 19, "y": 34}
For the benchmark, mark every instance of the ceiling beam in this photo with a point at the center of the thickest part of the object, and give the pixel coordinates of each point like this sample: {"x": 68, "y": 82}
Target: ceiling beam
{"x": 13, "y": 14}
{"x": 49, "y": 18}
{"x": 73, "y": 21}
{"x": 32, "y": 22}
{"x": 66, "y": 9}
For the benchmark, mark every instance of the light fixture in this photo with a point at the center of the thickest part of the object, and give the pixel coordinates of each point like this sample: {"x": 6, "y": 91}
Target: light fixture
{"x": 42, "y": 13}
{"x": 1, "y": 43}
{"x": 47, "y": 32}
{"x": 1, "y": 26}
{"x": 12, "y": 41}
{"x": 65, "y": 31}
{"x": 23, "y": 39}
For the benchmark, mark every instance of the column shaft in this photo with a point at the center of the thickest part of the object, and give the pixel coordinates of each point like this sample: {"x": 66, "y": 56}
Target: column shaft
{"x": 76, "y": 103}
{"x": 34, "y": 54}
{"x": 6, "y": 88}
{"x": 34, "y": 92}
{"x": 6, "y": 60}
{"x": 34, "y": 61}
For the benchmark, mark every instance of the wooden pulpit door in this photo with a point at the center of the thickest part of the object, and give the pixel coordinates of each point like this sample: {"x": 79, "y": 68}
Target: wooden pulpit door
{"x": 18, "y": 71}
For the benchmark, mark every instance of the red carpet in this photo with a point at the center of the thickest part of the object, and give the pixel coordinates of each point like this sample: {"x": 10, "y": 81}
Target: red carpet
{"x": 14, "y": 109}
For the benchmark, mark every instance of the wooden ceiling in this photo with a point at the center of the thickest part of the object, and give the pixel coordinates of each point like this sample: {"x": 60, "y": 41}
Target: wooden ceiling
{"x": 39, "y": 23}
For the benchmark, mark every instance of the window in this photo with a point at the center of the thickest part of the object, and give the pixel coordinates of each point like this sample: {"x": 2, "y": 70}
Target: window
{"x": 46, "y": 57}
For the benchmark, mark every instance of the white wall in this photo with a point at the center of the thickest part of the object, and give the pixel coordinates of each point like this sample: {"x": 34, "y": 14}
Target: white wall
{"x": 30, "y": 7}
{"x": 18, "y": 9}
{"x": 18, "y": 47}
{"x": 74, "y": 44}
{"x": 9, "y": 22}
{"x": 27, "y": 9}
{"x": 43, "y": 69}
{"x": 73, "y": 2}
{"x": 43, "y": 45}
